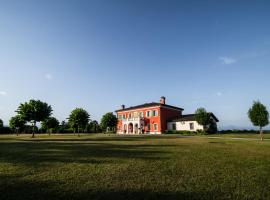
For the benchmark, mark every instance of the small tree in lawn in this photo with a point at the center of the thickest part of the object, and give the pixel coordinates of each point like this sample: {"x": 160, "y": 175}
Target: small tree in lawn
{"x": 17, "y": 123}
{"x": 108, "y": 121}
{"x": 259, "y": 116}
{"x": 34, "y": 111}
{"x": 78, "y": 119}
{"x": 50, "y": 124}
{"x": 203, "y": 117}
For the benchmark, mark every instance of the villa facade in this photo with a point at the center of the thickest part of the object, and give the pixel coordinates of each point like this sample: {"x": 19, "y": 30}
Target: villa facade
{"x": 154, "y": 118}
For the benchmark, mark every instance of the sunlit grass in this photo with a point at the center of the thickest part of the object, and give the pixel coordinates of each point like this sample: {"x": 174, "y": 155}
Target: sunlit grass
{"x": 133, "y": 167}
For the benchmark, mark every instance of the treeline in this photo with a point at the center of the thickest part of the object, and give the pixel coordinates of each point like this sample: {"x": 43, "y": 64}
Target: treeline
{"x": 34, "y": 111}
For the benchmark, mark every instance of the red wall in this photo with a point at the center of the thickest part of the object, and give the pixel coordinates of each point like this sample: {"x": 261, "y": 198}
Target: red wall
{"x": 164, "y": 114}
{"x": 168, "y": 114}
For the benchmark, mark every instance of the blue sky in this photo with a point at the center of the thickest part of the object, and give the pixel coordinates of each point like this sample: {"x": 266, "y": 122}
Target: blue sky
{"x": 101, "y": 54}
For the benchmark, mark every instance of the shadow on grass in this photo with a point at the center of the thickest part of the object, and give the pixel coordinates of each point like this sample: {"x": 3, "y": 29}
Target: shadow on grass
{"x": 37, "y": 152}
{"x": 11, "y": 188}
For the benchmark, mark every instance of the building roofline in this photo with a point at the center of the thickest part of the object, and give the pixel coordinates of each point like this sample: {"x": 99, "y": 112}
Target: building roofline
{"x": 191, "y": 117}
{"x": 149, "y": 105}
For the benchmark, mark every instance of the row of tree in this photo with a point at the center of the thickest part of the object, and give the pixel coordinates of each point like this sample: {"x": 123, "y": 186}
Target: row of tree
{"x": 36, "y": 111}
{"x": 258, "y": 115}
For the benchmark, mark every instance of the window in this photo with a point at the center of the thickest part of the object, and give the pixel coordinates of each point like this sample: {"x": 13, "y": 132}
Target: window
{"x": 191, "y": 126}
{"x": 155, "y": 113}
{"x": 141, "y": 114}
{"x": 129, "y": 115}
{"x": 174, "y": 126}
{"x": 119, "y": 116}
{"x": 148, "y": 113}
{"x": 155, "y": 127}
{"x": 148, "y": 127}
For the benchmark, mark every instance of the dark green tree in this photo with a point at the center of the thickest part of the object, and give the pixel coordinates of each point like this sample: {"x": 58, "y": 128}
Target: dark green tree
{"x": 1, "y": 123}
{"x": 203, "y": 117}
{"x": 34, "y": 111}
{"x": 93, "y": 126}
{"x": 78, "y": 120}
{"x": 50, "y": 125}
{"x": 17, "y": 123}
{"x": 108, "y": 122}
{"x": 259, "y": 116}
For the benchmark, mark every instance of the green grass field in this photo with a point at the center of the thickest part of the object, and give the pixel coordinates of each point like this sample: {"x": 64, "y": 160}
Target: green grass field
{"x": 133, "y": 167}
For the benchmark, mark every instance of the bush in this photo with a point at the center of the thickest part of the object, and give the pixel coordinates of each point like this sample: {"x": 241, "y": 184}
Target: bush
{"x": 180, "y": 132}
{"x": 5, "y": 130}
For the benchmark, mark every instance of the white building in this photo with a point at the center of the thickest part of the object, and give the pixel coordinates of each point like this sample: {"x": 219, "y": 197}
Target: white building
{"x": 187, "y": 123}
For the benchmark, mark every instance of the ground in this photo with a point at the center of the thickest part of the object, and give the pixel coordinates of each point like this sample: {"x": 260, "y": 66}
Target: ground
{"x": 134, "y": 167}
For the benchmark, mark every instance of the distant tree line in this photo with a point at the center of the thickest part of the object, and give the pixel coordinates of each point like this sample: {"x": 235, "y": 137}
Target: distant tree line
{"x": 34, "y": 111}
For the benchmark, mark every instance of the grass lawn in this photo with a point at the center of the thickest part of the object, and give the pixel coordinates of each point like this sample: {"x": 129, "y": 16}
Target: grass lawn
{"x": 133, "y": 167}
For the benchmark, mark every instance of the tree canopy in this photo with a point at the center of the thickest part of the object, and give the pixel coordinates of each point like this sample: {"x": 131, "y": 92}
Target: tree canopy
{"x": 259, "y": 116}
{"x": 50, "y": 124}
{"x": 78, "y": 119}
{"x": 202, "y": 117}
{"x": 17, "y": 123}
{"x": 34, "y": 111}
{"x": 109, "y": 120}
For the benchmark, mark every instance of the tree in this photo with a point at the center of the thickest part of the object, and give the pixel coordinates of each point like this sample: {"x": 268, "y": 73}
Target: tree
{"x": 93, "y": 126}
{"x": 50, "y": 124}
{"x": 108, "y": 121}
{"x": 203, "y": 117}
{"x": 1, "y": 123}
{"x": 259, "y": 116}
{"x": 78, "y": 119}
{"x": 34, "y": 111}
{"x": 17, "y": 123}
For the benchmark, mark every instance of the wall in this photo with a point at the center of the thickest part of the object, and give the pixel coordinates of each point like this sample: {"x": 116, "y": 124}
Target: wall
{"x": 184, "y": 126}
{"x": 168, "y": 114}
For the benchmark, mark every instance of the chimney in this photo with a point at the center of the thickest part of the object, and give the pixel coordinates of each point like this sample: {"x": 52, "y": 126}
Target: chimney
{"x": 123, "y": 106}
{"x": 162, "y": 100}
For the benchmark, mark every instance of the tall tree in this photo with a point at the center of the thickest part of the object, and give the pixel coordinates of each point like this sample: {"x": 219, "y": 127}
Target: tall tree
{"x": 203, "y": 117}
{"x": 78, "y": 119}
{"x": 17, "y": 123}
{"x": 34, "y": 111}
{"x": 108, "y": 121}
{"x": 50, "y": 124}
{"x": 259, "y": 116}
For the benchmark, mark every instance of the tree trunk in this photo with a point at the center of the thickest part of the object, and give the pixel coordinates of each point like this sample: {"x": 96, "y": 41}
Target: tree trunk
{"x": 261, "y": 133}
{"x": 34, "y": 126}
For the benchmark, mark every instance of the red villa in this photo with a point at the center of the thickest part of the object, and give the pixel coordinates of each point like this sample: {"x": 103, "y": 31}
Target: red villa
{"x": 155, "y": 118}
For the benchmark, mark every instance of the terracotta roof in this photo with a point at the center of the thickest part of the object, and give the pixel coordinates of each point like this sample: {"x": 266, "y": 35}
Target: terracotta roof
{"x": 191, "y": 117}
{"x": 149, "y": 105}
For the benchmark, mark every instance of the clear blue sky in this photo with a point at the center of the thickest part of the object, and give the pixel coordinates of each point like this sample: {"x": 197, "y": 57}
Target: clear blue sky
{"x": 101, "y": 54}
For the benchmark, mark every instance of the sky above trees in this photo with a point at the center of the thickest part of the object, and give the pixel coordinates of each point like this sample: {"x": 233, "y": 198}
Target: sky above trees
{"x": 101, "y": 54}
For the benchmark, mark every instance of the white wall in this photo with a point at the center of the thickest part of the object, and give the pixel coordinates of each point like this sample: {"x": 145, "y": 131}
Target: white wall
{"x": 184, "y": 126}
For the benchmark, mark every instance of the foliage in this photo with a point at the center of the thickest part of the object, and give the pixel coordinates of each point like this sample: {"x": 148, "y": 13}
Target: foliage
{"x": 181, "y": 132}
{"x": 78, "y": 119}
{"x": 93, "y": 127}
{"x": 1, "y": 123}
{"x": 34, "y": 111}
{"x": 50, "y": 124}
{"x": 108, "y": 121}
{"x": 202, "y": 117}
{"x": 17, "y": 123}
{"x": 212, "y": 128}
{"x": 258, "y": 115}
